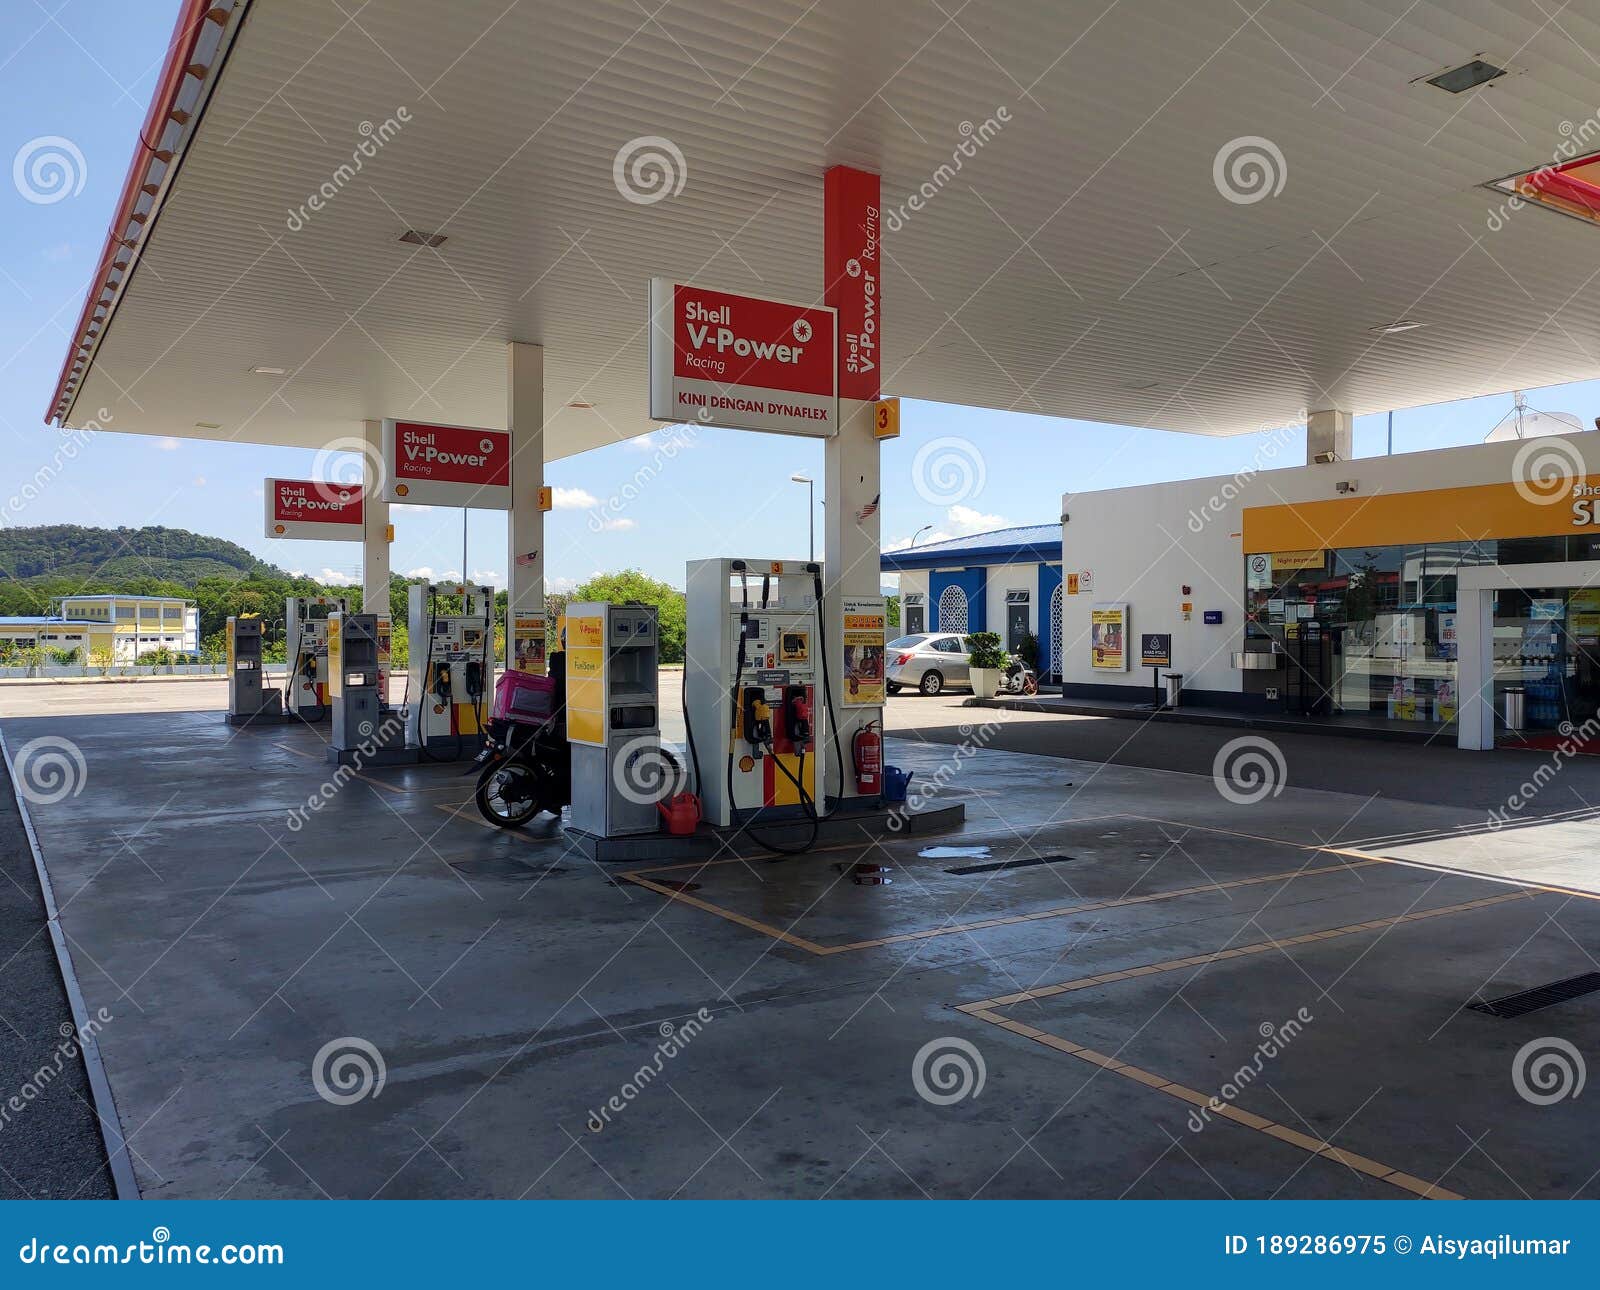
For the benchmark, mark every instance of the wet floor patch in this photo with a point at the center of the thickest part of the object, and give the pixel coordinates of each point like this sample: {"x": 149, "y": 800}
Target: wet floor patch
{"x": 954, "y": 853}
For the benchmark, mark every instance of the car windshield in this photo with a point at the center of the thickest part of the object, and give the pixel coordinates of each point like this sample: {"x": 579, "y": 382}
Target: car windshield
{"x": 907, "y": 642}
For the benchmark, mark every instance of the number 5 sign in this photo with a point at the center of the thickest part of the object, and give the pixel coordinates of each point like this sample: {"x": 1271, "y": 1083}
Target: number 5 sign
{"x": 886, "y": 419}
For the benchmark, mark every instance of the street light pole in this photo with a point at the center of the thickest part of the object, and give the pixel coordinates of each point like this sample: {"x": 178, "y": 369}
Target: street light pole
{"x": 811, "y": 512}
{"x": 918, "y": 534}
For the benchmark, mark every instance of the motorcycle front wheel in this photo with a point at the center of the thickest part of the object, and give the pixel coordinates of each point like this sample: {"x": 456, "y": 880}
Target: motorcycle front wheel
{"x": 508, "y": 796}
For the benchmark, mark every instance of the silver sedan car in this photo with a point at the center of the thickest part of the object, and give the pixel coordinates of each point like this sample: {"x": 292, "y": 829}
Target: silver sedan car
{"x": 929, "y": 661}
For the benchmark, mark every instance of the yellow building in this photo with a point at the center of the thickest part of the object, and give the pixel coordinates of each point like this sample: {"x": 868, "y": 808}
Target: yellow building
{"x": 128, "y": 626}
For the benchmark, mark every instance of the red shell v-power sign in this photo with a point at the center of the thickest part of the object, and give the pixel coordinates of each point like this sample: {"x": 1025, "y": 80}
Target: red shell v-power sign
{"x": 318, "y": 510}
{"x": 434, "y": 465}
{"x": 851, "y": 277}
{"x": 742, "y": 362}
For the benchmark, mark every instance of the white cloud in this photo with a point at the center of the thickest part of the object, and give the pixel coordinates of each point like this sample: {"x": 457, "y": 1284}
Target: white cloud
{"x": 619, "y": 523}
{"x": 199, "y": 481}
{"x": 427, "y": 573}
{"x": 560, "y": 586}
{"x": 574, "y": 499}
{"x": 333, "y": 578}
{"x": 59, "y": 252}
{"x": 967, "y": 521}
{"x": 167, "y": 444}
{"x": 492, "y": 576}
{"x": 904, "y": 543}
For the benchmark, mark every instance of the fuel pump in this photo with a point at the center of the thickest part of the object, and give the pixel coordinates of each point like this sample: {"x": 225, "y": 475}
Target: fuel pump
{"x": 755, "y": 685}
{"x": 305, "y": 688}
{"x": 249, "y": 697}
{"x": 451, "y": 668}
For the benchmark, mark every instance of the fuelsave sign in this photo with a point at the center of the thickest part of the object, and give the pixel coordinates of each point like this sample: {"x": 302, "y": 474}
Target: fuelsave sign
{"x": 742, "y": 362}
{"x": 431, "y": 465}
{"x": 313, "y": 510}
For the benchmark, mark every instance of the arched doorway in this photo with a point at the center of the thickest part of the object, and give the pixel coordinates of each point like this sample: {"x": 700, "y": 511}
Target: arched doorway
{"x": 1055, "y": 632}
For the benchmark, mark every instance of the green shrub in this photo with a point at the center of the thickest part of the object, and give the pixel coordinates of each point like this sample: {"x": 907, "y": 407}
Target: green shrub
{"x": 983, "y": 650}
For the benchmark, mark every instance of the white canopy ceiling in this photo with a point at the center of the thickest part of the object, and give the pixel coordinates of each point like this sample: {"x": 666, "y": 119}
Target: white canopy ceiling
{"x": 1082, "y": 261}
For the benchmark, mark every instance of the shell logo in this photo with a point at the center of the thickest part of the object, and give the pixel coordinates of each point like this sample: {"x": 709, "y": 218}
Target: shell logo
{"x": 438, "y": 709}
{"x": 277, "y": 528}
{"x": 401, "y": 490}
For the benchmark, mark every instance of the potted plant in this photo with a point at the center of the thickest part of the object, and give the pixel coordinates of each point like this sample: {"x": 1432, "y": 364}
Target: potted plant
{"x": 986, "y": 663}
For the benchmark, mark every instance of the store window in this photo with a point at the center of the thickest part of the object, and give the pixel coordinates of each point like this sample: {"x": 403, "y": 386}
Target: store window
{"x": 1368, "y": 632}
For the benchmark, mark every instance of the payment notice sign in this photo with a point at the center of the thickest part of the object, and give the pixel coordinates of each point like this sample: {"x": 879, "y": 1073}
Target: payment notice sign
{"x": 313, "y": 509}
{"x": 432, "y": 465}
{"x": 742, "y": 362}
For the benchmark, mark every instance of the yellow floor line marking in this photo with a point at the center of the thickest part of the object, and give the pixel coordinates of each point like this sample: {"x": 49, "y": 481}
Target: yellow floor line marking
{"x": 984, "y": 1010}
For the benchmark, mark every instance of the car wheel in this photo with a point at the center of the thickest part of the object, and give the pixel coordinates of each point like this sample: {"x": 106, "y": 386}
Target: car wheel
{"x": 931, "y": 683}
{"x": 891, "y": 688}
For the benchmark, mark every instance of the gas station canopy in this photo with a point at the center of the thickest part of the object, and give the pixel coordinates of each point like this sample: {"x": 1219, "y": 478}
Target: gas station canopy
{"x": 1204, "y": 216}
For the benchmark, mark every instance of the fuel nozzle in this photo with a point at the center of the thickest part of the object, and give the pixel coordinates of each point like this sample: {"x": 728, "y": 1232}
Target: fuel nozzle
{"x": 757, "y": 720}
{"x": 797, "y": 714}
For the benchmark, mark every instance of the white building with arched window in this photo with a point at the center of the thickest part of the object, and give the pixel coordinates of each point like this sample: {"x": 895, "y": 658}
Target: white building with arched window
{"x": 1007, "y": 582}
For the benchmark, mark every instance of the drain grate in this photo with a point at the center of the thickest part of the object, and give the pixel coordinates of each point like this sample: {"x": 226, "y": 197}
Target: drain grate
{"x": 1541, "y": 996}
{"x": 998, "y": 865}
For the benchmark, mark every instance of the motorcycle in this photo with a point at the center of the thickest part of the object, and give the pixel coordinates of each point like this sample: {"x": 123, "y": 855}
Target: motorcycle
{"x": 525, "y": 765}
{"x": 1018, "y": 678}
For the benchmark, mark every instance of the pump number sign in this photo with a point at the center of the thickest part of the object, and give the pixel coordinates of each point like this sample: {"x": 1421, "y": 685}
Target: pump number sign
{"x": 434, "y": 465}
{"x": 742, "y": 362}
{"x": 313, "y": 509}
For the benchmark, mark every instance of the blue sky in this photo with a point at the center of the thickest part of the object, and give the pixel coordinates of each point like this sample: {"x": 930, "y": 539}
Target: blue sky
{"x": 86, "y": 76}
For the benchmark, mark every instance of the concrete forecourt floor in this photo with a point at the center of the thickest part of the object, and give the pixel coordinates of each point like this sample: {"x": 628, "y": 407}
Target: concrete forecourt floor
{"x": 1125, "y": 976}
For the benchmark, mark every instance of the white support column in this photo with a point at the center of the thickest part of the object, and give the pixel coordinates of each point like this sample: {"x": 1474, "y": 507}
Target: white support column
{"x": 851, "y": 548}
{"x": 1329, "y": 431}
{"x": 1475, "y": 668}
{"x": 525, "y": 558}
{"x": 374, "y": 527}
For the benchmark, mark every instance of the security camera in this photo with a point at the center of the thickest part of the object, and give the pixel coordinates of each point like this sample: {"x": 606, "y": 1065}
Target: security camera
{"x": 1325, "y": 458}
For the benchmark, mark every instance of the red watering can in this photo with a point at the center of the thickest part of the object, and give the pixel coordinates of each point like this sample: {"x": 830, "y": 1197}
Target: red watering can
{"x": 682, "y": 814}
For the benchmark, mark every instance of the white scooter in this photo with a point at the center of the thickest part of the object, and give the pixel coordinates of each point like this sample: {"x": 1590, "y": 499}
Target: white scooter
{"x": 1018, "y": 678}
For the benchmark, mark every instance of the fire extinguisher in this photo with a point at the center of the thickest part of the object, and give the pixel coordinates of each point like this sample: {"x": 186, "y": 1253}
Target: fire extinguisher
{"x": 867, "y": 750}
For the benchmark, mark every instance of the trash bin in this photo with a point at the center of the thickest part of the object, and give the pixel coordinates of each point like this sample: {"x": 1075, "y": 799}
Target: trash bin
{"x": 1514, "y": 707}
{"x": 1174, "y": 688}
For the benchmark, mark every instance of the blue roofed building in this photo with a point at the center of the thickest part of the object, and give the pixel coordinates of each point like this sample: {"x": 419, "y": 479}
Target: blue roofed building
{"x": 1007, "y": 581}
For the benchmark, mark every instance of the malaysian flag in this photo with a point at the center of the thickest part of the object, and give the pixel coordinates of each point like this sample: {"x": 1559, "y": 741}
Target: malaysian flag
{"x": 871, "y": 508}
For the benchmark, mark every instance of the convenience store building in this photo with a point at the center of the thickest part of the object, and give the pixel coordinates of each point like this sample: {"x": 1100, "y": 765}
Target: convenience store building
{"x": 1451, "y": 593}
